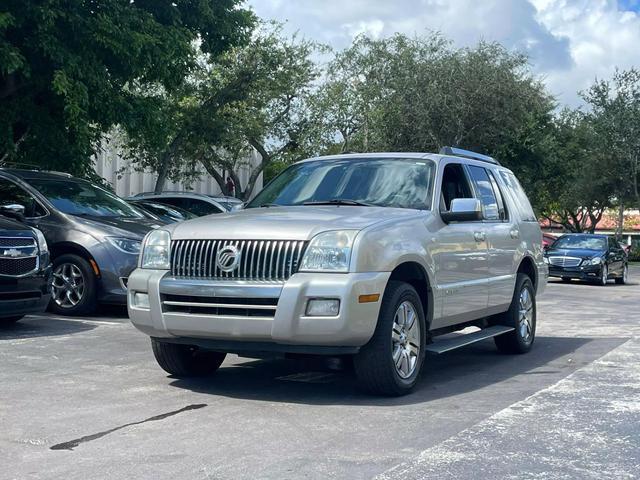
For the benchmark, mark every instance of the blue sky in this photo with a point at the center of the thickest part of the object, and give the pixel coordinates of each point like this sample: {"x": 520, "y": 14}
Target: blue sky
{"x": 570, "y": 42}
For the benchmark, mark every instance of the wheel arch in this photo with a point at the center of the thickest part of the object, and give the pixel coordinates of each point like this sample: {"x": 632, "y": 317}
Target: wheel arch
{"x": 528, "y": 267}
{"x": 414, "y": 274}
{"x": 63, "y": 248}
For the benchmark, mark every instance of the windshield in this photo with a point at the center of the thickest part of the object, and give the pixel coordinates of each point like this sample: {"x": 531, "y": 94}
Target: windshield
{"x": 400, "y": 183}
{"x": 82, "y": 198}
{"x": 584, "y": 242}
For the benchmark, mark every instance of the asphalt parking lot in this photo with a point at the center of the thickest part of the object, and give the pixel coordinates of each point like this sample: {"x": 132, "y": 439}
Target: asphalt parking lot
{"x": 83, "y": 398}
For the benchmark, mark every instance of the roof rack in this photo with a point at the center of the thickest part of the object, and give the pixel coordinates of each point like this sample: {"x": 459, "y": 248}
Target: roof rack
{"x": 459, "y": 152}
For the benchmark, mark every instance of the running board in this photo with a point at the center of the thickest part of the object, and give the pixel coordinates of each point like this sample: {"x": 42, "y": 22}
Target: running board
{"x": 467, "y": 339}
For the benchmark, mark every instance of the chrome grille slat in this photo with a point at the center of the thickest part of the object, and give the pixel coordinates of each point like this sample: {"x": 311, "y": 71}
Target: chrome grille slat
{"x": 265, "y": 260}
{"x": 563, "y": 261}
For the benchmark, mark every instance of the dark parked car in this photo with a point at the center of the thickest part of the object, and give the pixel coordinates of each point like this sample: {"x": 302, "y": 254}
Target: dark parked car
{"x": 93, "y": 235}
{"x": 166, "y": 213}
{"x": 25, "y": 269}
{"x": 587, "y": 257}
{"x": 197, "y": 203}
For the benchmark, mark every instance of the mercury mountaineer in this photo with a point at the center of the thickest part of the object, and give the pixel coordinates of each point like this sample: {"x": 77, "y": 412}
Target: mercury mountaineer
{"x": 376, "y": 256}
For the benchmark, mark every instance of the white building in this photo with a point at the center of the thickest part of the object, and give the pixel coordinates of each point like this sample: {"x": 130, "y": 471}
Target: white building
{"x": 126, "y": 181}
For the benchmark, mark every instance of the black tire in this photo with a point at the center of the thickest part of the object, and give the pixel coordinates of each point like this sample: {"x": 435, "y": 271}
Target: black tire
{"x": 6, "y": 321}
{"x": 374, "y": 365}
{"x": 604, "y": 275}
{"x": 566, "y": 279}
{"x": 186, "y": 360}
{"x": 87, "y": 303}
{"x": 625, "y": 276}
{"x": 515, "y": 341}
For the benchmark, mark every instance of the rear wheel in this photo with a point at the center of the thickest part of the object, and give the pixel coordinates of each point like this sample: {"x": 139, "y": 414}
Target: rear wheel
{"x": 522, "y": 316}
{"x": 391, "y": 362}
{"x": 73, "y": 290}
{"x": 10, "y": 320}
{"x": 186, "y": 360}
{"x": 625, "y": 276}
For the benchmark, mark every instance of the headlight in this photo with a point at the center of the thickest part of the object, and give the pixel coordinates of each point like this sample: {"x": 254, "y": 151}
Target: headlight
{"x": 42, "y": 242}
{"x": 329, "y": 251}
{"x": 155, "y": 252}
{"x": 594, "y": 261}
{"x": 545, "y": 259}
{"x": 126, "y": 245}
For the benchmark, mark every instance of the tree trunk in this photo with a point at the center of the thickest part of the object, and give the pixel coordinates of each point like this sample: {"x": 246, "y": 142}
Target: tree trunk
{"x": 620, "y": 226}
{"x": 162, "y": 174}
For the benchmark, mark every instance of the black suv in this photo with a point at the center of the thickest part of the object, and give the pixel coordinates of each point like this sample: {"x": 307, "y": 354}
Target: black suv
{"x": 25, "y": 270}
{"x": 587, "y": 257}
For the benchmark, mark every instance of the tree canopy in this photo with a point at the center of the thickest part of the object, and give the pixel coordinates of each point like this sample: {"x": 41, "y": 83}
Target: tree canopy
{"x": 69, "y": 70}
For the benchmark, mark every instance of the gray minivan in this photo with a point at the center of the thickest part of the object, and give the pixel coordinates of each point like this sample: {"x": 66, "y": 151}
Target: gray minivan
{"x": 93, "y": 235}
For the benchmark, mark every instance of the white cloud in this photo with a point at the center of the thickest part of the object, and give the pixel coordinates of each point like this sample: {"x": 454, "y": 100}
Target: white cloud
{"x": 570, "y": 42}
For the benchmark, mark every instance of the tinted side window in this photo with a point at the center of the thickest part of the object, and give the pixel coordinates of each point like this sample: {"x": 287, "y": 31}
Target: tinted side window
{"x": 522, "y": 202}
{"x": 202, "y": 208}
{"x": 502, "y": 207}
{"x": 484, "y": 189}
{"x": 454, "y": 185}
{"x": 12, "y": 193}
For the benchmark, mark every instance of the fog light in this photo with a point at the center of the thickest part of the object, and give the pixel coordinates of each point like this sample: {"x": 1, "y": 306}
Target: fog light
{"x": 141, "y": 300}
{"x": 323, "y": 307}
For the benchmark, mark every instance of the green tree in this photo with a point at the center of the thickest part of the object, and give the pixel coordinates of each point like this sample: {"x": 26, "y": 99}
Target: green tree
{"x": 615, "y": 118}
{"x": 69, "y": 71}
{"x": 251, "y": 98}
{"x": 573, "y": 186}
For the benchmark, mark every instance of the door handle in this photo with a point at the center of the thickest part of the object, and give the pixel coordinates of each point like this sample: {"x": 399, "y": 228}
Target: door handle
{"x": 515, "y": 233}
{"x": 479, "y": 236}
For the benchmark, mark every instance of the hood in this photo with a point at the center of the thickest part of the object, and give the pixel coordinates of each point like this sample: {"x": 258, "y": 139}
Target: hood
{"x": 574, "y": 252}
{"x": 285, "y": 223}
{"x": 11, "y": 225}
{"x": 135, "y": 228}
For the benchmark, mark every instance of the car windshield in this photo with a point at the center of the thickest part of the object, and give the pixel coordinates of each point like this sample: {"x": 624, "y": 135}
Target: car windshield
{"x": 584, "y": 242}
{"x": 77, "y": 197}
{"x": 390, "y": 182}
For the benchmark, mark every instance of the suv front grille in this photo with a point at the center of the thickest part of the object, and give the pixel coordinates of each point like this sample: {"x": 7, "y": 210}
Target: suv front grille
{"x": 268, "y": 260}
{"x": 220, "y": 306}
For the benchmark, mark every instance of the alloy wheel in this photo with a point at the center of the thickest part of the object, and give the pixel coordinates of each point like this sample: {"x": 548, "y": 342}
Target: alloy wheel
{"x": 68, "y": 285}
{"x": 525, "y": 315}
{"x": 405, "y": 338}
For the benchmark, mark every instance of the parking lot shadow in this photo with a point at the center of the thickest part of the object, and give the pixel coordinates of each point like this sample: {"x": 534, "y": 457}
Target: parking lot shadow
{"x": 31, "y": 327}
{"x": 313, "y": 381}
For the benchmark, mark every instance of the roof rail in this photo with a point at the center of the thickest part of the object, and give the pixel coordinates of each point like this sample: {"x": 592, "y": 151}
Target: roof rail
{"x": 459, "y": 152}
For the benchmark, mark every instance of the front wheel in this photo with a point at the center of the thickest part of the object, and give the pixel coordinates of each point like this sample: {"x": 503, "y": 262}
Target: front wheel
{"x": 74, "y": 285}
{"x": 186, "y": 360}
{"x": 625, "y": 276}
{"x": 604, "y": 275}
{"x": 522, "y": 316}
{"x": 391, "y": 362}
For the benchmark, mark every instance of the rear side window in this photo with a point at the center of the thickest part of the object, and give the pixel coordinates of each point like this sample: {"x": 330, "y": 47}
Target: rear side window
{"x": 522, "y": 202}
{"x": 484, "y": 189}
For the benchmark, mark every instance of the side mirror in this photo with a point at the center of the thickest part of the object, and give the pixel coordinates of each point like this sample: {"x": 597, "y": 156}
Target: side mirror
{"x": 13, "y": 210}
{"x": 463, "y": 210}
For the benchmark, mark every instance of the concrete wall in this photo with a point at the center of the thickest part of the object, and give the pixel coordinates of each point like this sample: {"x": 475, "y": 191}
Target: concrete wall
{"x": 126, "y": 181}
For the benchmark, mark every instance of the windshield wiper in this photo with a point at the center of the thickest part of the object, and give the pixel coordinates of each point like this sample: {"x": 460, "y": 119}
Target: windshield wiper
{"x": 267, "y": 205}
{"x": 340, "y": 201}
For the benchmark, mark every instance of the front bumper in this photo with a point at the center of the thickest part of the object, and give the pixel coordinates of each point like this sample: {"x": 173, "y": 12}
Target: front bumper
{"x": 279, "y": 319}
{"x": 585, "y": 272}
{"x": 22, "y": 296}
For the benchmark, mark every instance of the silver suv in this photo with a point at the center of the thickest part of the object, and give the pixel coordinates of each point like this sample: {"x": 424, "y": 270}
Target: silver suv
{"x": 376, "y": 256}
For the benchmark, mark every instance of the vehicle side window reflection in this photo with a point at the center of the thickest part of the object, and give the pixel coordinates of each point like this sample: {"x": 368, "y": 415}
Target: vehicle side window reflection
{"x": 12, "y": 193}
{"x": 502, "y": 207}
{"x": 484, "y": 189}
